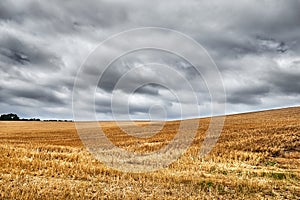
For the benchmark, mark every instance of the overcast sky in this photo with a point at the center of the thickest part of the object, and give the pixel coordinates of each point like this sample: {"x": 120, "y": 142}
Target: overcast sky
{"x": 255, "y": 45}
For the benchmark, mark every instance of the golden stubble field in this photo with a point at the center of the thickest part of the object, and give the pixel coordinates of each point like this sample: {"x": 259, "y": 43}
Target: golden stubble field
{"x": 257, "y": 157}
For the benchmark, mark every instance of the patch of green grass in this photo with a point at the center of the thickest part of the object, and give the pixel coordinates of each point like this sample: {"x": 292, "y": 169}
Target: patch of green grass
{"x": 209, "y": 184}
{"x": 274, "y": 175}
{"x": 205, "y": 184}
{"x": 277, "y": 175}
{"x": 270, "y": 163}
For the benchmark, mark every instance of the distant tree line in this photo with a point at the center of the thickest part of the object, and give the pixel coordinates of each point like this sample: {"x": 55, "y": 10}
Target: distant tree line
{"x": 57, "y": 120}
{"x": 15, "y": 117}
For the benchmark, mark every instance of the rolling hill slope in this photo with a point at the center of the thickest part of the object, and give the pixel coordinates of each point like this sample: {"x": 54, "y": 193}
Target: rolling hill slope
{"x": 257, "y": 156}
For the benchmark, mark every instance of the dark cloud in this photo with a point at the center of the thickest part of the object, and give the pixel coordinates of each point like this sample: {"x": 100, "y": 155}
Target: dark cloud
{"x": 251, "y": 95}
{"x": 285, "y": 82}
{"x": 30, "y": 92}
{"x": 13, "y": 51}
{"x": 37, "y": 94}
{"x": 150, "y": 89}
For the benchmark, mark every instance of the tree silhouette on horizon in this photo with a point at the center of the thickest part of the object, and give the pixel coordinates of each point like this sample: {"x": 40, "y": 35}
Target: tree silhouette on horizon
{"x": 9, "y": 117}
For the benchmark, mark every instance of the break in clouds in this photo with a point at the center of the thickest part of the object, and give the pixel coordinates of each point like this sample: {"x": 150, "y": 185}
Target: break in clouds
{"x": 255, "y": 45}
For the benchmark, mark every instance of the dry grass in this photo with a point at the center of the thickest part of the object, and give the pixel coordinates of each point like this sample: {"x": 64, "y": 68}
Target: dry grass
{"x": 256, "y": 157}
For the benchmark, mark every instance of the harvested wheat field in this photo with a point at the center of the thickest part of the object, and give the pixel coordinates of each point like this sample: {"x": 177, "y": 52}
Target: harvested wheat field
{"x": 257, "y": 157}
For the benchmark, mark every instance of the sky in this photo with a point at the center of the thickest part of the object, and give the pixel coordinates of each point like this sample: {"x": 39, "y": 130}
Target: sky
{"x": 44, "y": 44}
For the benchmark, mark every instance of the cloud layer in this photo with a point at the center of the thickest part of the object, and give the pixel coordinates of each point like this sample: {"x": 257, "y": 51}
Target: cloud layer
{"x": 255, "y": 45}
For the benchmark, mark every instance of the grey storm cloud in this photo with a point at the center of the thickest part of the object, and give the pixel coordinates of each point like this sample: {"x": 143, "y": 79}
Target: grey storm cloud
{"x": 150, "y": 89}
{"x": 255, "y": 45}
{"x": 286, "y": 82}
{"x": 250, "y": 95}
{"x": 20, "y": 53}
